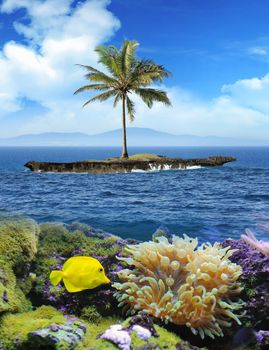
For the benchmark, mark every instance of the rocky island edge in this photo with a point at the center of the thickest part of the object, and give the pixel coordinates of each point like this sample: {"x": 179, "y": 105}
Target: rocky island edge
{"x": 139, "y": 162}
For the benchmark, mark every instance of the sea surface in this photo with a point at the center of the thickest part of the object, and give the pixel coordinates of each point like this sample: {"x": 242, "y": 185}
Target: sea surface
{"x": 210, "y": 203}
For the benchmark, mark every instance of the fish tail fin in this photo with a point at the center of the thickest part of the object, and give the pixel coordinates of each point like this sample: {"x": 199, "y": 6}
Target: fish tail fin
{"x": 56, "y": 277}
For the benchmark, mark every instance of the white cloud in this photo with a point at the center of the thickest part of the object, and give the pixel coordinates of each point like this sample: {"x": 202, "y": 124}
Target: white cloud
{"x": 43, "y": 71}
{"x": 258, "y": 50}
{"x": 222, "y": 116}
{"x": 250, "y": 93}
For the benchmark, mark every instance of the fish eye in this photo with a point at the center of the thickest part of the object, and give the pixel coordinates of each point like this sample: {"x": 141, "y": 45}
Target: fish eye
{"x": 101, "y": 270}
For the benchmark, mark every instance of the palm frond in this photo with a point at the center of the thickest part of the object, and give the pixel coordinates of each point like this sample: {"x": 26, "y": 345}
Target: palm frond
{"x": 100, "y": 77}
{"x": 130, "y": 108}
{"x": 102, "y": 97}
{"x": 114, "y": 49}
{"x": 92, "y": 87}
{"x": 108, "y": 56}
{"x": 128, "y": 55}
{"x": 117, "y": 99}
{"x": 96, "y": 75}
{"x": 149, "y": 96}
{"x": 147, "y": 72}
{"x": 89, "y": 68}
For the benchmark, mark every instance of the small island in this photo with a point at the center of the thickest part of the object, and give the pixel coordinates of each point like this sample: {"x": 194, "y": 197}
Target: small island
{"x": 138, "y": 162}
{"x": 127, "y": 75}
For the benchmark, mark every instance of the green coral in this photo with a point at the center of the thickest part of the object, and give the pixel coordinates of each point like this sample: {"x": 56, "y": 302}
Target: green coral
{"x": 18, "y": 242}
{"x": 57, "y": 241}
{"x": 91, "y": 314}
{"x": 166, "y": 340}
{"x": 18, "y": 247}
{"x": 93, "y": 331}
{"x": 15, "y": 328}
{"x": 12, "y": 298}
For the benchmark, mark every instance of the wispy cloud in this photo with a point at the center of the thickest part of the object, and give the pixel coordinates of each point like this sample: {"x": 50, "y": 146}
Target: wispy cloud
{"x": 258, "y": 50}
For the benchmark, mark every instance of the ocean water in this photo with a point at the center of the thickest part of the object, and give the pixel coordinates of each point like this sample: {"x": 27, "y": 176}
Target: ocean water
{"x": 210, "y": 203}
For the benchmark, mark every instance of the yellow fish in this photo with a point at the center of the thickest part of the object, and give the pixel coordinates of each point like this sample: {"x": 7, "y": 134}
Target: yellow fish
{"x": 80, "y": 273}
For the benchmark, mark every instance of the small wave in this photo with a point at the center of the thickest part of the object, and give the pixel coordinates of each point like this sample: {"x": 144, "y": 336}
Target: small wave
{"x": 193, "y": 167}
{"x": 255, "y": 197}
{"x": 107, "y": 194}
{"x": 165, "y": 167}
{"x": 139, "y": 171}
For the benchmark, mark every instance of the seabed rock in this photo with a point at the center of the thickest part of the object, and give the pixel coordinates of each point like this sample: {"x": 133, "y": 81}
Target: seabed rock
{"x": 16, "y": 328}
{"x": 56, "y": 335}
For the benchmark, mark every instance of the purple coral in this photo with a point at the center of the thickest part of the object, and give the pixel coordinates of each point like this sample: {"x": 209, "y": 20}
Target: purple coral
{"x": 253, "y": 263}
{"x": 118, "y": 336}
{"x": 255, "y": 279}
{"x": 142, "y": 332}
{"x": 263, "y": 339}
{"x": 121, "y": 337}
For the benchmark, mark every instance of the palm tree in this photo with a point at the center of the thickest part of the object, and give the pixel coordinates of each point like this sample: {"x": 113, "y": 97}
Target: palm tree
{"x": 126, "y": 75}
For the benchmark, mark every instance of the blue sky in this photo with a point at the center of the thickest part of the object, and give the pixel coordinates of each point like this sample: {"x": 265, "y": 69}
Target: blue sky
{"x": 218, "y": 52}
{"x": 204, "y": 43}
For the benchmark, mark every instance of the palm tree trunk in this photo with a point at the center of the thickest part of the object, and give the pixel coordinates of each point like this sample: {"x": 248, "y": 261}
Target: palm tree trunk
{"x": 124, "y": 140}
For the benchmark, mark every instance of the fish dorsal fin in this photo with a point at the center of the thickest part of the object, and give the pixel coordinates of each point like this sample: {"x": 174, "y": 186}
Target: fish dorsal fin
{"x": 70, "y": 288}
{"x": 75, "y": 259}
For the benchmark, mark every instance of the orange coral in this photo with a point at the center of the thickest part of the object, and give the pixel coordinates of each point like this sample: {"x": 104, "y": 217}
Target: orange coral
{"x": 178, "y": 283}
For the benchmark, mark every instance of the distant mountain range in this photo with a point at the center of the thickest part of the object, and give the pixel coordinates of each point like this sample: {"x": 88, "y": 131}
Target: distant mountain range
{"x": 135, "y": 137}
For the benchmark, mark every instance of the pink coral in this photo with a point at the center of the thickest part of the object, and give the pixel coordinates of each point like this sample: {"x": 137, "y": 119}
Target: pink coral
{"x": 250, "y": 239}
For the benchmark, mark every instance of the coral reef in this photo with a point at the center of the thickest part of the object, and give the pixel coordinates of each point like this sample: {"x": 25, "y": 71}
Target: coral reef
{"x": 12, "y": 298}
{"x": 18, "y": 247}
{"x": 18, "y": 243}
{"x": 57, "y": 243}
{"x": 118, "y": 336}
{"x": 15, "y": 328}
{"x": 170, "y": 279}
{"x": 57, "y": 336}
{"x": 140, "y": 333}
{"x": 255, "y": 282}
{"x": 48, "y": 328}
{"x": 182, "y": 284}
{"x": 263, "y": 339}
{"x": 260, "y": 246}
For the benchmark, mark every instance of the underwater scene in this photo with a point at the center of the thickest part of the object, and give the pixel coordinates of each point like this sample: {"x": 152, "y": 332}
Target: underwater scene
{"x": 70, "y": 286}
